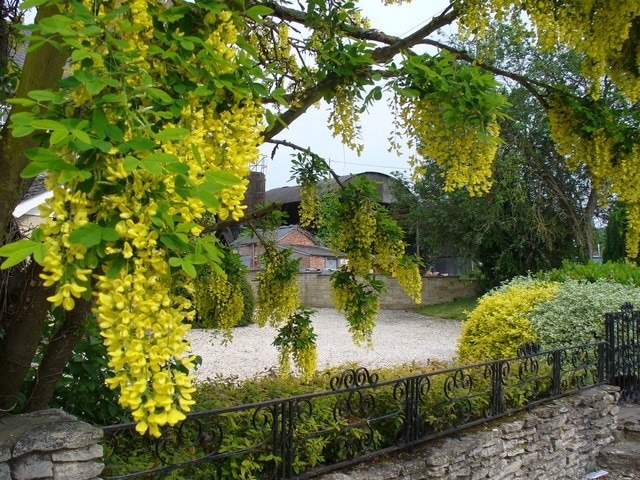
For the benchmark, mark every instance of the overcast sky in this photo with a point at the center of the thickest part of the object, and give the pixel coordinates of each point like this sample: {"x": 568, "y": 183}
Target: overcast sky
{"x": 311, "y": 130}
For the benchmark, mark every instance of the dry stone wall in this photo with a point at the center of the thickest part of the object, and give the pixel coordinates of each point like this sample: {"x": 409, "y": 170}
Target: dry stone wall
{"x": 49, "y": 444}
{"x": 559, "y": 440}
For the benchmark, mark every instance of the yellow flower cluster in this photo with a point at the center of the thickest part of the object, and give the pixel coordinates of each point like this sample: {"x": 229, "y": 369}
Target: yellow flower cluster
{"x": 296, "y": 341}
{"x": 143, "y": 324}
{"x": 63, "y": 264}
{"x": 409, "y": 278}
{"x": 612, "y": 170}
{"x": 140, "y": 18}
{"x": 344, "y": 119}
{"x": 146, "y": 209}
{"x": 598, "y": 29}
{"x": 360, "y": 304}
{"x": 466, "y": 152}
{"x": 305, "y": 359}
{"x": 278, "y": 290}
{"x": 309, "y": 204}
{"x": 357, "y": 236}
{"x": 219, "y": 301}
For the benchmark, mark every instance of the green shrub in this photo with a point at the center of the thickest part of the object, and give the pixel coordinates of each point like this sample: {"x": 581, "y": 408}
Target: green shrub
{"x": 249, "y": 302}
{"x": 559, "y": 308}
{"x": 618, "y": 272}
{"x": 82, "y": 391}
{"x": 499, "y": 324}
{"x": 576, "y": 314}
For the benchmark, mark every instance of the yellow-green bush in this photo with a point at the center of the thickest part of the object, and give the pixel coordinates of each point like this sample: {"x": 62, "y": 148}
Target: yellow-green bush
{"x": 499, "y": 323}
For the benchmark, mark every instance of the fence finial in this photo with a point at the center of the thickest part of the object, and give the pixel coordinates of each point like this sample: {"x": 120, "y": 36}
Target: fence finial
{"x": 626, "y": 307}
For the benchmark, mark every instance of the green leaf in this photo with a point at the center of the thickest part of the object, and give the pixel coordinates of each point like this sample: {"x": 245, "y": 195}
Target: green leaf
{"x": 25, "y": 102}
{"x": 45, "y": 124}
{"x": 175, "y": 261}
{"x": 201, "y": 91}
{"x": 22, "y": 118}
{"x": 91, "y": 234}
{"x": 258, "y": 11}
{"x": 130, "y": 163}
{"x": 114, "y": 132}
{"x": 16, "y": 252}
{"x": 161, "y": 157}
{"x": 138, "y": 144}
{"x": 151, "y": 166}
{"x": 99, "y": 122}
{"x": 33, "y": 170}
{"x": 157, "y": 94}
{"x": 190, "y": 269}
{"x": 172, "y": 134}
{"x": 173, "y": 241}
{"x": 88, "y": 235}
{"x": 81, "y": 135}
{"x": 196, "y": 259}
{"x": 26, "y": 4}
{"x": 177, "y": 168}
{"x": 116, "y": 266}
{"x": 260, "y": 90}
{"x": 22, "y": 131}
{"x": 39, "y": 252}
{"x": 39, "y": 154}
{"x": 57, "y": 136}
{"x": 71, "y": 173}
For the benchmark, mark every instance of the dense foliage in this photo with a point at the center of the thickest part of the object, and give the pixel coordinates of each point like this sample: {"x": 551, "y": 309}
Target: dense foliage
{"x": 146, "y": 117}
{"x": 557, "y": 309}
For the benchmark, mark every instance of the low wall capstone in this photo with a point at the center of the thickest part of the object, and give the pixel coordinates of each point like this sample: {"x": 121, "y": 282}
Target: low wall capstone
{"x": 49, "y": 444}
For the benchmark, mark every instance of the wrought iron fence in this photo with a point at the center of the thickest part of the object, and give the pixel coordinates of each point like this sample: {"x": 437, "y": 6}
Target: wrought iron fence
{"x": 622, "y": 333}
{"x": 357, "y": 418}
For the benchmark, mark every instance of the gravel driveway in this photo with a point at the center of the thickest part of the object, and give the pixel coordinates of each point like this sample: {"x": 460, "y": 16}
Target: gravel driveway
{"x": 399, "y": 337}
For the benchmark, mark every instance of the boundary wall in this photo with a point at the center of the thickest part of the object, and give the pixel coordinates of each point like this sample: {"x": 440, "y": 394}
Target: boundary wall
{"x": 315, "y": 291}
{"x": 557, "y": 440}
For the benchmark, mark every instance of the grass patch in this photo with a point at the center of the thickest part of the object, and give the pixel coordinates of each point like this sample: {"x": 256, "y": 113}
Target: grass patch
{"x": 454, "y": 310}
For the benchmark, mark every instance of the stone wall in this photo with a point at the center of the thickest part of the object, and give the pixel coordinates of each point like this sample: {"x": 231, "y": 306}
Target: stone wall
{"x": 557, "y": 440}
{"x": 315, "y": 291}
{"x": 49, "y": 444}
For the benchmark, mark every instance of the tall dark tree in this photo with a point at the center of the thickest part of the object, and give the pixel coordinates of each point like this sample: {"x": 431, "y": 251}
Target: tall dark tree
{"x": 614, "y": 234}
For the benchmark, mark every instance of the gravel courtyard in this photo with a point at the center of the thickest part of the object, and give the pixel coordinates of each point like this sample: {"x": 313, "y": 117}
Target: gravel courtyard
{"x": 399, "y": 337}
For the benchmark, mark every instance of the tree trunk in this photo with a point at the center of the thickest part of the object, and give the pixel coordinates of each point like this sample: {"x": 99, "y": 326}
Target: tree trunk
{"x": 22, "y": 315}
{"x": 24, "y": 309}
{"x": 56, "y": 356}
{"x": 42, "y": 69}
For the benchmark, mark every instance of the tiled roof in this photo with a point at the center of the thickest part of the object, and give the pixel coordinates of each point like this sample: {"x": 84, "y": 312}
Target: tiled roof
{"x": 292, "y": 194}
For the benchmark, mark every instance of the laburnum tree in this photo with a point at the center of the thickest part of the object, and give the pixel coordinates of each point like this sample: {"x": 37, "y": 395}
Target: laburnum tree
{"x": 146, "y": 115}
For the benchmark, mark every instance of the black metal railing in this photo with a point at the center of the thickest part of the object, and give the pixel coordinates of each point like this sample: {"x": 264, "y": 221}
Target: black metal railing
{"x": 622, "y": 334}
{"x": 357, "y": 418}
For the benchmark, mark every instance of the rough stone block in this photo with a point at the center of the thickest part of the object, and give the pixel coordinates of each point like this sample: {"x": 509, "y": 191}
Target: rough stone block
{"x": 5, "y": 471}
{"x": 90, "y": 452}
{"x": 77, "y": 470}
{"x": 32, "y": 466}
{"x": 56, "y": 436}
